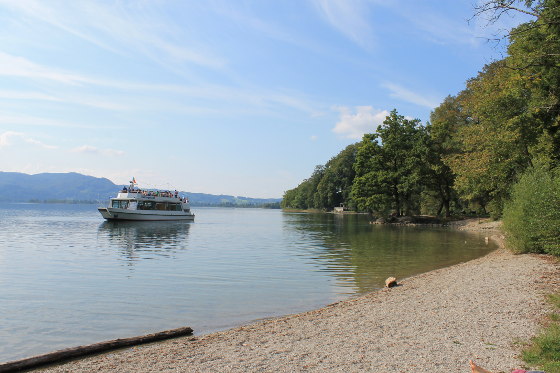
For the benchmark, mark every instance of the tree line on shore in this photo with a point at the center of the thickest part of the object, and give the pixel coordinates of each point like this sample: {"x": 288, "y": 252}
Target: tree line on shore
{"x": 491, "y": 149}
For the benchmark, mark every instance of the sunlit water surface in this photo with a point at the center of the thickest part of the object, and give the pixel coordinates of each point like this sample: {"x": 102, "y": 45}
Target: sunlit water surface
{"x": 69, "y": 278}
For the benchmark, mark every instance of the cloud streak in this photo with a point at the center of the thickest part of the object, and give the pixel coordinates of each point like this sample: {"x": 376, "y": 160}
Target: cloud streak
{"x": 349, "y": 18}
{"x": 15, "y": 66}
{"x": 28, "y": 120}
{"x": 20, "y": 67}
{"x": 121, "y": 29}
{"x": 404, "y": 94}
{"x": 7, "y": 137}
{"x": 88, "y": 149}
{"x": 353, "y": 124}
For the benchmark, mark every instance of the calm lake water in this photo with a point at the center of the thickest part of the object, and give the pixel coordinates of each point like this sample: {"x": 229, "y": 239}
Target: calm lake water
{"x": 69, "y": 278}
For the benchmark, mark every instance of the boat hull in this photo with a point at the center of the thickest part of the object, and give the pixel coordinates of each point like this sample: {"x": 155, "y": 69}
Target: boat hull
{"x": 143, "y": 215}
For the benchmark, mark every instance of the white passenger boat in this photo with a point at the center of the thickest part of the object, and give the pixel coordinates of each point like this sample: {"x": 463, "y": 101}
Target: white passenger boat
{"x": 133, "y": 203}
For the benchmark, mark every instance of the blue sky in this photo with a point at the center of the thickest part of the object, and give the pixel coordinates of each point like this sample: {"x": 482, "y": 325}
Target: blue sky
{"x": 225, "y": 97}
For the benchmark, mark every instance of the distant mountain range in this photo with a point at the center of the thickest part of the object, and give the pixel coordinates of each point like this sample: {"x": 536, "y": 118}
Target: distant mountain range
{"x": 77, "y": 188}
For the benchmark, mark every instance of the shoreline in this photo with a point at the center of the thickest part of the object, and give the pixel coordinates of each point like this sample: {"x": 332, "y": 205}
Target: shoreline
{"x": 435, "y": 321}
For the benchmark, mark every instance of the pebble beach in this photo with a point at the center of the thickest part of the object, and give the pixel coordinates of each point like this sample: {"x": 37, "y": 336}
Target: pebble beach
{"x": 481, "y": 310}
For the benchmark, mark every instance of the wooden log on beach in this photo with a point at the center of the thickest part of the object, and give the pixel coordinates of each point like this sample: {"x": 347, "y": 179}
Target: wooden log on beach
{"x": 81, "y": 351}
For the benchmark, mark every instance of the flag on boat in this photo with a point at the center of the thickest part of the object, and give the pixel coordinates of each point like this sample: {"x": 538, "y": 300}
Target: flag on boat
{"x": 133, "y": 180}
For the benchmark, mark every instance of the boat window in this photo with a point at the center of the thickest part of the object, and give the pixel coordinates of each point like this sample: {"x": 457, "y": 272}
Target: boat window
{"x": 146, "y": 205}
{"x": 119, "y": 204}
{"x": 160, "y": 205}
{"x": 173, "y": 206}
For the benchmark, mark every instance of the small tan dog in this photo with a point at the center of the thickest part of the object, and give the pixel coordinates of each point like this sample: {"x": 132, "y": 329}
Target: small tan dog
{"x": 476, "y": 369}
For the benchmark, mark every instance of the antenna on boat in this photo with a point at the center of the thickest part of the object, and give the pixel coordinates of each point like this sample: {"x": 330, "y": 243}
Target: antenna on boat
{"x": 133, "y": 182}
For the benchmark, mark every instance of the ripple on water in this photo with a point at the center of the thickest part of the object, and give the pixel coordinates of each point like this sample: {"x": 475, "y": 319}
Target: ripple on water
{"x": 62, "y": 269}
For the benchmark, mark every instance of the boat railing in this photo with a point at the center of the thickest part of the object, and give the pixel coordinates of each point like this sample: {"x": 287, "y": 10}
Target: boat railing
{"x": 168, "y": 196}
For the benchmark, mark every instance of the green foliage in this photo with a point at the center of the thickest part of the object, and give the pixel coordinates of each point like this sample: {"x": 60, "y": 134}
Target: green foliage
{"x": 532, "y": 217}
{"x": 534, "y": 57}
{"x": 544, "y": 349}
{"x": 494, "y": 141}
{"x": 389, "y": 175}
{"x": 442, "y": 130}
{"x": 329, "y": 185}
{"x": 508, "y": 117}
{"x": 336, "y": 184}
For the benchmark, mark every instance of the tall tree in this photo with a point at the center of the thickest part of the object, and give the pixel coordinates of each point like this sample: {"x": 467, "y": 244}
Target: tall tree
{"x": 534, "y": 59}
{"x": 336, "y": 184}
{"x": 389, "y": 166}
{"x": 442, "y": 129}
{"x": 494, "y": 140}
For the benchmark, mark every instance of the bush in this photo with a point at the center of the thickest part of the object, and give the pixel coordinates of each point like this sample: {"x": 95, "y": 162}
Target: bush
{"x": 532, "y": 216}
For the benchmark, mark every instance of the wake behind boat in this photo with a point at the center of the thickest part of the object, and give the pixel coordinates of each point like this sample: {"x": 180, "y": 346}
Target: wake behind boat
{"x": 133, "y": 203}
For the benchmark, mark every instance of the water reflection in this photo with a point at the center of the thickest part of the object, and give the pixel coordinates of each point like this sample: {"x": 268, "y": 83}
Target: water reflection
{"x": 145, "y": 239}
{"x": 62, "y": 270}
{"x": 360, "y": 255}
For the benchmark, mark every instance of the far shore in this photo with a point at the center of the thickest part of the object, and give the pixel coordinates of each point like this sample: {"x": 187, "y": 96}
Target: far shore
{"x": 481, "y": 310}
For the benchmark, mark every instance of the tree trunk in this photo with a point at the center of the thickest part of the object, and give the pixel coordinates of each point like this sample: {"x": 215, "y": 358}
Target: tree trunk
{"x": 440, "y": 207}
{"x": 447, "y": 210}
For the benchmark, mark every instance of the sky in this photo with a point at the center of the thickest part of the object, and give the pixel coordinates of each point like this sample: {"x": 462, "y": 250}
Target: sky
{"x": 233, "y": 97}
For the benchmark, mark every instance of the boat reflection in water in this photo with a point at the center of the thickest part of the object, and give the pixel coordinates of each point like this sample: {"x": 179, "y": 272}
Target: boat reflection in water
{"x": 139, "y": 240}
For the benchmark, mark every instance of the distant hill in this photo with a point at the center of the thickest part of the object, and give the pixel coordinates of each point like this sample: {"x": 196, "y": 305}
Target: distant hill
{"x": 74, "y": 188}
{"x": 19, "y": 187}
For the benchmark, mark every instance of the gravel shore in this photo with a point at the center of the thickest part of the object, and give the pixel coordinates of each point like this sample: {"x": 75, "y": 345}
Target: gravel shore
{"x": 434, "y": 322}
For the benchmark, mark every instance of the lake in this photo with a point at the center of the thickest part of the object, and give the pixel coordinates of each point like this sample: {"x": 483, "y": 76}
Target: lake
{"x": 69, "y": 278}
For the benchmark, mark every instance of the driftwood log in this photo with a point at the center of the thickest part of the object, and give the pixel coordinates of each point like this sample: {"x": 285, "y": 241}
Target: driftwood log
{"x": 81, "y": 351}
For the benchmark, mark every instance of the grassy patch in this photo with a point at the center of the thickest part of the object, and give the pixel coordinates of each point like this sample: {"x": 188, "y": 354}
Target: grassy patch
{"x": 544, "y": 349}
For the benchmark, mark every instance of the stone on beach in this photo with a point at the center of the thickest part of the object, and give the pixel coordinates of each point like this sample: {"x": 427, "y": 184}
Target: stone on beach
{"x": 390, "y": 282}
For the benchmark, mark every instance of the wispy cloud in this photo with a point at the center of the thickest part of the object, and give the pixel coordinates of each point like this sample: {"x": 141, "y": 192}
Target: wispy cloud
{"x": 246, "y": 18}
{"x": 82, "y": 99}
{"x": 121, "y": 28}
{"x": 349, "y": 18}
{"x": 88, "y": 149}
{"x": 430, "y": 24}
{"x": 16, "y": 66}
{"x": 26, "y": 95}
{"x": 39, "y": 143}
{"x": 354, "y": 124}
{"x": 7, "y": 137}
{"x": 28, "y": 120}
{"x": 407, "y": 95}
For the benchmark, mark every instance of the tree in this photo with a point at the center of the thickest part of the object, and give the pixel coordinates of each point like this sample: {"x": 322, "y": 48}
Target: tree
{"x": 534, "y": 57}
{"x": 389, "y": 166}
{"x": 336, "y": 184}
{"x": 494, "y": 138}
{"x": 303, "y": 196}
{"x": 442, "y": 129}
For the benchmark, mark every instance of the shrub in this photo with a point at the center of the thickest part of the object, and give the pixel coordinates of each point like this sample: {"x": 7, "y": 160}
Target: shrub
{"x": 532, "y": 216}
